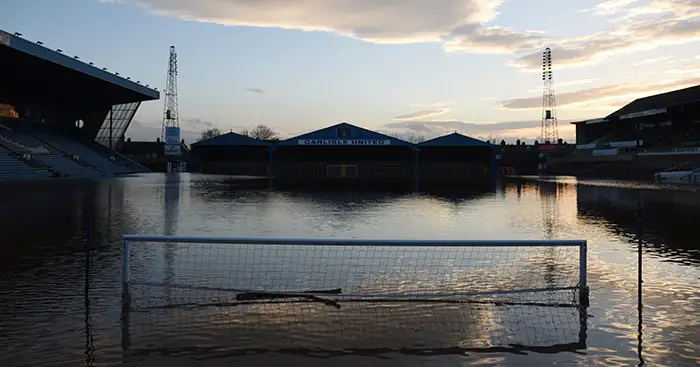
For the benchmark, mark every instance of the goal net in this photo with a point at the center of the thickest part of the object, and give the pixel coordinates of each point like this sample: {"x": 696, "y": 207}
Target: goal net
{"x": 357, "y": 293}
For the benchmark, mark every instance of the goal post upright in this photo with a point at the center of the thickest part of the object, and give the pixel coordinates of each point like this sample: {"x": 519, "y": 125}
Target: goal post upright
{"x": 583, "y": 274}
{"x": 126, "y": 270}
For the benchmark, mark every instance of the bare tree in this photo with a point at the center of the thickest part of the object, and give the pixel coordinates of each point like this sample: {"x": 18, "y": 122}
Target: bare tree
{"x": 260, "y": 132}
{"x": 493, "y": 138}
{"x": 409, "y": 137}
{"x": 209, "y": 133}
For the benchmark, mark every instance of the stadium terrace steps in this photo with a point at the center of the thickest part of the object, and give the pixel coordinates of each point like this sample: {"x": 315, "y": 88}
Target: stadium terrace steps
{"x": 85, "y": 154}
{"x": 120, "y": 159}
{"x": 52, "y": 157}
{"x": 53, "y": 154}
{"x": 13, "y": 168}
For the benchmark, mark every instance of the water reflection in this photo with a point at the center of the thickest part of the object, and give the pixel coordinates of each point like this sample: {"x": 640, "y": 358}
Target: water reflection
{"x": 59, "y": 303}
{"x": 670, "y": 218}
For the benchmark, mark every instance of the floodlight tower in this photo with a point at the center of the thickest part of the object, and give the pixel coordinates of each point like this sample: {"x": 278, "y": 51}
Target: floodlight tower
{"x": 170, "y": 113}
{"x": 550, "y": 126}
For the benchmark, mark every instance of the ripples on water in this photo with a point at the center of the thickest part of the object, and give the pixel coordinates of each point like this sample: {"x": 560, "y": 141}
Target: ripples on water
{"x": 50, "y": 315}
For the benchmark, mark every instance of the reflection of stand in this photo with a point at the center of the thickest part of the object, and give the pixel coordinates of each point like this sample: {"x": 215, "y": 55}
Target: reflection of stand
{"x": 89, "y": 342}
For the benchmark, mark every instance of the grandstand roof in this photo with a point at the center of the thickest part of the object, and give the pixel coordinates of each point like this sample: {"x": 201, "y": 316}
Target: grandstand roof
{"x": 344, "y": 134}
{"x": 230, "y": 139}
{"x": 660, "y": 101}
{"x": 454, "y": 140}
{"x": 36, "y": 74}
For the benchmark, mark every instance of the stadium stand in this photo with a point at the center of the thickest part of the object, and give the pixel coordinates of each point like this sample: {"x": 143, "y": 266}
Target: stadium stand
{"x": 659, "y": 122}
{"x": 652, "y": 134}
{"x": 62, "y": 117}
{"x": 12, "y": 167}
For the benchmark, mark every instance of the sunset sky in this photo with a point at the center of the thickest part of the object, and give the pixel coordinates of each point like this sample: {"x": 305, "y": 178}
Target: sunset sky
{"x": 409, "y": 66}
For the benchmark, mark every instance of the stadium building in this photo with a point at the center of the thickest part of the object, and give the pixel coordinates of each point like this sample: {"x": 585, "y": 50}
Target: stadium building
{"x": 232, "y": 154}
{"x": 61, "y": 116}
{"x": 651, "y": 134}
{"x": 456, "y": 159}
{"x": 346, "y": 154}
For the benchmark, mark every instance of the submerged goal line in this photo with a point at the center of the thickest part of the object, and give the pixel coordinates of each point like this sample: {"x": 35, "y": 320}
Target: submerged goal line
{"x": 166, "y": 271}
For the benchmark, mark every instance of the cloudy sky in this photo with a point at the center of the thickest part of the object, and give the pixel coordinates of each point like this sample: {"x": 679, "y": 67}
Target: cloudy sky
{"x": 409, "y": 66}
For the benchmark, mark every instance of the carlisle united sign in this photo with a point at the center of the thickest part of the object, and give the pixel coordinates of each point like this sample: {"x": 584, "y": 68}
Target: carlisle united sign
{"x": 366, "y": 142}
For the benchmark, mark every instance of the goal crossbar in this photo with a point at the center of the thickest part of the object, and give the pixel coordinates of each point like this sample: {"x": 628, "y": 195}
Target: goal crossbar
{"x": 130, "y": 239}
{"x": 350, "y": 242}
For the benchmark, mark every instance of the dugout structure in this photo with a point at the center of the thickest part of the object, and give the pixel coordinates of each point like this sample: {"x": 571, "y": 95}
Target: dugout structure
{"x": 456, "y": 159}
{"x": 232, "y": 154}
{"x": 46, "y": 86}
{"x": 344, "y": 154}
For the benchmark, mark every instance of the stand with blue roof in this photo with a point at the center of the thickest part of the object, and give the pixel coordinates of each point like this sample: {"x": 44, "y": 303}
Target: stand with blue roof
{"x": 232, "y": 154}
{"x": 456, "y": 159}
{"x": 344, "y": 153}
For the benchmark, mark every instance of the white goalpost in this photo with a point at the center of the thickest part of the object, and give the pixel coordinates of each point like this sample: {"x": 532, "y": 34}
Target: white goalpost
{"x": 209, "y": 269}
{"x": 339, "y": 294}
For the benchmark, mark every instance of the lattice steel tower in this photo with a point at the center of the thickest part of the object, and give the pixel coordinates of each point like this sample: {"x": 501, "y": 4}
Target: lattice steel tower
{"x": 170, "y": 112}
{"x": 550, "y": 126}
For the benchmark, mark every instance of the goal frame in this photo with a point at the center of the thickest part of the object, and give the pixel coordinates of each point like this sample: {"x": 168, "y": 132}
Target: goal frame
{"x": 582, "y": 287}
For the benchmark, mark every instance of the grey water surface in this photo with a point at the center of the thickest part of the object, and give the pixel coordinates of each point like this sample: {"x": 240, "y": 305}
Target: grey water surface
{"x": 60, "y": 288}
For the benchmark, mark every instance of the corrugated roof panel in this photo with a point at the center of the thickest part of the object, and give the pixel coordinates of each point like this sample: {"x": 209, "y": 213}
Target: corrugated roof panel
{"x": 44, "y": 53}
{"x": 660, "y": 101}
{"x": 454, "y": 140}
{"x": 230, "y": 139}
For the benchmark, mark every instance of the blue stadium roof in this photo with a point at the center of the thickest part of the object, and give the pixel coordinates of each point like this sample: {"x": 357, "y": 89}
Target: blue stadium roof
{"x": 344, "y": 134}
{"x": 231, "y": 139}
{"x": 38, "y": 51}
{"x": 454, "y": 140}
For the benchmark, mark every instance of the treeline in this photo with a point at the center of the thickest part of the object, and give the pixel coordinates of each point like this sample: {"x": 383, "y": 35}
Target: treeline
{"x": 260, "y": 132}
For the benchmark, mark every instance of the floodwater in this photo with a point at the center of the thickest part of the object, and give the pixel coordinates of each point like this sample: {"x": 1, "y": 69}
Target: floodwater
{"x": 61, "y": 259}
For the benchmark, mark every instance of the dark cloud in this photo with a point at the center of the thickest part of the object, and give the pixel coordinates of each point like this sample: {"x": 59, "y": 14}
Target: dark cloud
{"x": 642, "y": 34}
{"x": 476, "y": 39}
{"x": 422, "y": 114}
{"x": 623, "y": 93}
{"x": 457, "y": 24}
{"x": 369, "y": 20}
{"x": 198, "y": 124}
{"x": 437, "y": 128}
{"x": 255, "y": 90}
